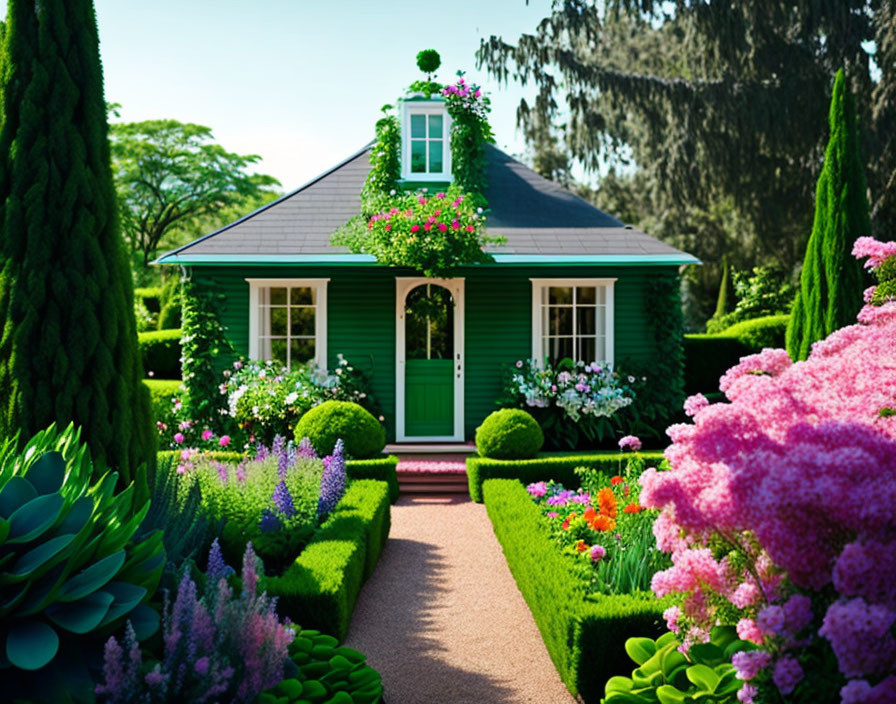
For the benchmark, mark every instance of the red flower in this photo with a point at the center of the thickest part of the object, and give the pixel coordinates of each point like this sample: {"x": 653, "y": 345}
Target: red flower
{"x": 616, "y": 481}
{"x": 580, "y": 546}
{"x": 633, "y": 508}
{"x": 415, "y": 228}
{"x": 427, "y": 227}
{"x": 442, "y": 227}
{"x": 470, "y": 228}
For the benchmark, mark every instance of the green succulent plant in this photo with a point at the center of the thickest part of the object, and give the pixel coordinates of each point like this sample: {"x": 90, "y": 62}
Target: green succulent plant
{"x": 326, "y": 673}
{"x": 665, "y": 675}
{"x": 69, "y": 568}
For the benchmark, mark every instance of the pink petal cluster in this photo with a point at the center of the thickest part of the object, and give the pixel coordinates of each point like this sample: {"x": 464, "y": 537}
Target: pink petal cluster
{"x": 877, "y": 252}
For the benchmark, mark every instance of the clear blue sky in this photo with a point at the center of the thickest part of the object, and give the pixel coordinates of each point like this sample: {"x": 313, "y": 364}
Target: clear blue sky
{"x": 300, "y": 83}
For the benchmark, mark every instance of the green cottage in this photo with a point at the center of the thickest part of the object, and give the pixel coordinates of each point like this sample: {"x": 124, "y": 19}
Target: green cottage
{"x": 569, "y": 282}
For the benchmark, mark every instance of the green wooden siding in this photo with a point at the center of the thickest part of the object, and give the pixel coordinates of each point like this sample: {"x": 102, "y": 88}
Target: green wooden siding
{"x": 498, "y": 320}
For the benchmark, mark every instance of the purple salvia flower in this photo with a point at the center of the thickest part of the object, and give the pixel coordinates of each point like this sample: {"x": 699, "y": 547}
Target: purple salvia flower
{"x": 283, "y": 500}
{"x": 261, "y": 452}
{"x": 277, "y": 447}
{"x": 222, "y": 471}
{"x": 306, "y": 449}
{"x": 293, "y": 454}
{"x": 115, "y": 685}
{"x": 269, "y": 522}
{"x": 217, "y": 567}
{"x": 282, "y": 463}
{"x": 333, "y": 480}
{"x": 250, "y": 574}
{"x": 241, "y": 472}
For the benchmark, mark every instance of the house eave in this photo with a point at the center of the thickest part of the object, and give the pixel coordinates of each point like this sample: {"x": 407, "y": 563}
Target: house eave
{"x": 627, "y": 260}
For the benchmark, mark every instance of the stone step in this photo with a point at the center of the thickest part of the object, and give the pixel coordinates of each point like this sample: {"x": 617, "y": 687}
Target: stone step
{"x": 433, "y": 488}
{"x": 437, "y": 482}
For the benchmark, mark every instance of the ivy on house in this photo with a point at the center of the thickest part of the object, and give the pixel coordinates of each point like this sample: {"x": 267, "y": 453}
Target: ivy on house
{"x": 433, "y": 234}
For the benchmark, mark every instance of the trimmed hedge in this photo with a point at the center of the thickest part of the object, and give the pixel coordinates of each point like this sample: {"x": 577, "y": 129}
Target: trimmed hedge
{"x": 382, "y": 469}
{"x": 320, "y": 588}
{"x": 768, "y": 331}
{"x": 707, "y": 358}
{"x": 363, "y": 435}
{"x": 151, "y": 297}
{"x": 557, "y": 467}
{"x": 217, "y": 456}
{"x": 160, "y": 350}
{"x": 509, "y": 434}
{"x": 160, "y": 393}
{"x": 585, "y": 636}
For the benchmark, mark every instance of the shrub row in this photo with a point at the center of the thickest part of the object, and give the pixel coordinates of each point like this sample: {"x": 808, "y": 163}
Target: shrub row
{"x": 320, "y": 588}
{"x": 560, "y": 468}
{"x": 768, "y": 331}
{"x": 585, "y": 637}
{"x": 160, "y": 393}
{"x": 151, "y": 297}
{"x": 160, "y": 350}
{"x": 382, "y": 469}
{"x": 218, "y": 456}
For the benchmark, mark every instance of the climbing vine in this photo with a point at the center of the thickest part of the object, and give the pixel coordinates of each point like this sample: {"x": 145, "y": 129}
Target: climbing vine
{"x": 385, "y": 162}
{"x": 470, "y": 131}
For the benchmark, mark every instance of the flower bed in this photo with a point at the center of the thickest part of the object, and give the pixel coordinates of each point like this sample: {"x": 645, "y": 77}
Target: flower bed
{"x": 584, "y": 634}
{"x": 559, "y": 468}
{"x": 320, "y": 588}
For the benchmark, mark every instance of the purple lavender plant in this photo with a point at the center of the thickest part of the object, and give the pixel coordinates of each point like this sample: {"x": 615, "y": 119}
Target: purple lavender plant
{"x": 217, "y": 567}
{"x": 333, "y": 480}
{"x": 283, "y": 500}
{"x": 306, "y": 449}
{"x": 261, "y": 452}
{"x": 269, "y": 522}
{"x": 241, "y": 472}
{"x": 222, "y": 471}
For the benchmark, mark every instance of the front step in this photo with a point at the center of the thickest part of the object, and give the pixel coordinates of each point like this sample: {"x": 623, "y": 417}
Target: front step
{"x": 432, "y": 478}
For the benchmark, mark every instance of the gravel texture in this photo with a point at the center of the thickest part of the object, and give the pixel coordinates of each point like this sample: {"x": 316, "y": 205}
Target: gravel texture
{"x": 441, "y": 618}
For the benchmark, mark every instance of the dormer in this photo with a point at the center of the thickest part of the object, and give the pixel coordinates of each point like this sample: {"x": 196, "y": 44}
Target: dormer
{"x": 425, "y": 140}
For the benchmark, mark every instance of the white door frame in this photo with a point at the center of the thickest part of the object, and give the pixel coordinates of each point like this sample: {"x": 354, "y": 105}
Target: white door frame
{"x": 403, "y": 286}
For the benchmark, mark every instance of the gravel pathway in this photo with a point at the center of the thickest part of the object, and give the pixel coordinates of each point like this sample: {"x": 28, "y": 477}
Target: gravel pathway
{"x": 441, "y": 618}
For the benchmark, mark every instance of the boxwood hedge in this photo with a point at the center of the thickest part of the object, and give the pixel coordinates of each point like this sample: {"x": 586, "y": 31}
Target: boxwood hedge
{"x": 560, "y": 468}
{"x": 320, "y": 588}
{"x": 160, "y": 351}
{"x": 584, "y": 635}
{"x": 382, "y": 469}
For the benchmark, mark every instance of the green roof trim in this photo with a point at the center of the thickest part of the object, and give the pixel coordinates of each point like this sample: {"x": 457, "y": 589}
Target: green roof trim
{"x": 367, "y": 260}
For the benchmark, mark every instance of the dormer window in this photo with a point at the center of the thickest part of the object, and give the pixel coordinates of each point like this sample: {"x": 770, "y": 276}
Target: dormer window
{"x": 426, "y": 153}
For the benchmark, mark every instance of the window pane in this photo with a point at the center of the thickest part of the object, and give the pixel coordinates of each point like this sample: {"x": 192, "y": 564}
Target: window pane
{"x": 601, "y": 315}
{"x": 600, "y": 350}
{"x": 585, "y": 349}
{"x": 302, "y": 322}
{"x": 278, "y": 296}
{"x": 435, "y": 156}
{"x": 560, "y": 320}
{"x": 418, "y": 157}
{"x": 585, "y": 323}
{"x": 585, "y": 294}
{"x": 435, "y": 126}
{"x": 278, "y": 351}
{"x": 558, "y": 294}
{"x": 557, "y": 348}
{"x": 418, "y": 126}
{"x": 278, "y": 321}
{"x": 602, "y": 295}
{"x": 301, "y": 351}
{"x": 302, "y": 296}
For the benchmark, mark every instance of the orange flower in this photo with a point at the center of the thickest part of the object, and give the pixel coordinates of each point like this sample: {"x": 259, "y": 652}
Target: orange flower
{"x": 616, "y": 481}
{"x": 606, "y": 501}
{"x": 602, "y": 522}
{"x": 569, "y": 518}
{"x": 633, "y": 508}
{"x": 589, "y": 514}
{"x": 580, "y": 546}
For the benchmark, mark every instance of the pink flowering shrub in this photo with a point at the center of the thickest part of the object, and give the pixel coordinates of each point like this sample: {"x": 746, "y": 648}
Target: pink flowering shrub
{"x": 780, "y": 513}
{"x": 217, "y": 647}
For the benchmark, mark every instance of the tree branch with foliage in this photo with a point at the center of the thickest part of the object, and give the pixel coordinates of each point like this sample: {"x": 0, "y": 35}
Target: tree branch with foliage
{"x": 170, "y": 174}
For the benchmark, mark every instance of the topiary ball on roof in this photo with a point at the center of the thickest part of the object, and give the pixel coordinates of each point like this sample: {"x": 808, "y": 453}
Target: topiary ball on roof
{"x": 429, "y": 60}
{"x": 509, "y": 434}
{"x": 363, "y": 435}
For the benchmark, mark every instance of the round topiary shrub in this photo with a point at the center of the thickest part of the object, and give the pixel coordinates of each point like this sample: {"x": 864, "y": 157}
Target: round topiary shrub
{"x": 429, "y": 60}
{"x": 323, "y": 425}
{"x": 509, "y": 434}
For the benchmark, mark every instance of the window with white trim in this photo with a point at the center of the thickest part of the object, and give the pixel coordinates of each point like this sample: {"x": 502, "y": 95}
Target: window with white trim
{"x": 426, "y": 153}
{"x": 572, "y": 318}
{"x": 288, "y": 320}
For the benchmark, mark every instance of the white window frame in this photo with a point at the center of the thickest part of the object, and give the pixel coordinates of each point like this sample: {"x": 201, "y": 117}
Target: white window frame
{"x": 425, "y": 108}
{"x": 539, "y": 285}
{"x": 320, "y": 313}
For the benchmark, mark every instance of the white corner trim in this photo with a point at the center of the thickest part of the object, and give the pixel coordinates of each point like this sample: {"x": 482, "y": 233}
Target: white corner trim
{"x": 538, "y": 285}
{"x": 320, "y": 313}
{"x": 403, "y": 286}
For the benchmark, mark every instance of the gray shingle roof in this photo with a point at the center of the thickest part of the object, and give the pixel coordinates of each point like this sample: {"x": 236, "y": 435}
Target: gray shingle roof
{"x": 536, "y": 216}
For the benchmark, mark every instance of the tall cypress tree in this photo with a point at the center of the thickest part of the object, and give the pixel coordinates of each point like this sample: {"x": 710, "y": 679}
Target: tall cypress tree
{"x": 830, "y": 293}
{"x": 68, "y": 347}
{"x": 722, "y": 304}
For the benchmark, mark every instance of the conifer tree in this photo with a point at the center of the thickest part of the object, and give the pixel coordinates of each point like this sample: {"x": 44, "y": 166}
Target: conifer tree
{"x": 830, "y": 293}
{"x": 68, "y": 346}
{"x": 722, "y": 304}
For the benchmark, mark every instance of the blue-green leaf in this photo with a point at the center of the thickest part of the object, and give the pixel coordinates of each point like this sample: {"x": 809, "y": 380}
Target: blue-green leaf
{"x": 17, "y": 492}
{"x": 46, "y": 475}
{"x": 39, "y": 556}
{"x": 126, "y": 597}
{"x": 145, "y": 621}
{"x": 81, "y": 616}
{"x": 92, "y": 578}
{"x": 35, "y": 518}
{"x": 31, "y": 644}
{"x": 78, "y": 515}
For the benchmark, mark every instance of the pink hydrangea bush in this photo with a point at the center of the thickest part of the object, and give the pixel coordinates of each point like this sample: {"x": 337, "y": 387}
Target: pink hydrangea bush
{"x": 780, "y": 514}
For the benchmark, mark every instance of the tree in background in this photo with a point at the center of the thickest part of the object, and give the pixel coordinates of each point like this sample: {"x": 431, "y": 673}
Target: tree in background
{"x": 172, "y": 179}
{"x": 68, "y": 348}
{"x": 882, "y": 150}
{"x": 830, "y": 293}
{"x": 714, "y": 111}
{"x": 725, "y": 292}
